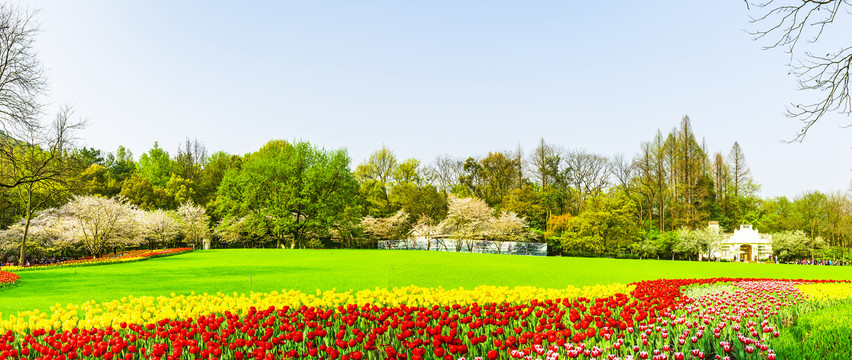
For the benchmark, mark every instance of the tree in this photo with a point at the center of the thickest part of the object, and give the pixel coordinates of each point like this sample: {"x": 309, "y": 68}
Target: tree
{"x": 395, "y": 227}
{"x": 194, "y": 223}
{"x": 701, "y": 242}
{"x": 721, "y": 178}
{"x": 140, "y": 192}
{"x": 740, "y": 173}
{"x": 530, "y": 204}
{"x": 545, "y": 164}
{"x": 445, "y": 172}
{"x": 810, "y": 213}
{"x": 97, "y": 223}
{"x": 408, "y": 171}
{"x": 94, "y": 180}
{"x": 232, "y": 230}
{"x": 289, "y": 191}
{"x": 790, "y": 245}
{"x": 45, "y": 162}
{"x": 381, "y": 166}
{"x": 155, "y": 166}
{"x": 838, "y": 209}
{"x": 589, "y": 175}
{"x": 740, "y": 179}
{"x": 785, "y": 23}
{"x": 508, "y": 226}
{"x": 467, "y": 219}
{"x": 180, "y": 190}
{"x": 158, "y": 227}
{"x": 499, "y": 173}
{"x": 190, "y": 160}
{"x": 375, "y": 175}
{"x": 419, "y": 201}
{"x": 120, "y": 165}
{"x": 605, "y": 226}
{"x": 88, "y": 157}
{"x": 21, "y": 76}
{"x": 689, "y": 167}
{"x": 215, "y": 168}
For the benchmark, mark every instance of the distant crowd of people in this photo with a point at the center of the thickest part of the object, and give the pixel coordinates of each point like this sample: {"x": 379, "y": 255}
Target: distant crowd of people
{"x": 823, "y": 262}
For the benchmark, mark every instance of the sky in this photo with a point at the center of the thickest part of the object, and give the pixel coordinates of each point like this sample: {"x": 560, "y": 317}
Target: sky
{"x": 458, "y": 78}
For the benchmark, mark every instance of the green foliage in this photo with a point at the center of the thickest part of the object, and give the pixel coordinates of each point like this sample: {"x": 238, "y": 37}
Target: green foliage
{"x": 140, "y": 192}
{"x": 120, "y": 164}
{"x": 214, "y": 171}
{"x": 529, "y": 203}
{"x": 419, "y": 201}
{"x": 156, "y": 166}
{"x": 375, "y": 199}
{"x": 408, "y": 171}
{"x": 605, "y": 226}
{"x": 289, "y": 191}
{"x": 491, "y": 178}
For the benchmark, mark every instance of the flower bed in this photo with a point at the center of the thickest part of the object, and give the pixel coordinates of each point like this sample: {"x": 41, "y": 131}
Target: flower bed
{"x": 739, "y": 319}
{"x": 8, "y": 279}
{"x": 128, "y": 257}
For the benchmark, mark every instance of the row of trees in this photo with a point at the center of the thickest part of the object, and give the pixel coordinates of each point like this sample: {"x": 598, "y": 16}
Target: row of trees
{"x": 98, "y": 225}
{"x": 297, "y": 195}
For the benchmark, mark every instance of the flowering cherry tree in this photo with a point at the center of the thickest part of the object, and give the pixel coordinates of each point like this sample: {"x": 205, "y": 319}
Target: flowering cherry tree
{"x": 394, "y": 227}
{"x": 157, "y": 227}
{"x": 194, "y": 223}
{"x": 97, "y": 223}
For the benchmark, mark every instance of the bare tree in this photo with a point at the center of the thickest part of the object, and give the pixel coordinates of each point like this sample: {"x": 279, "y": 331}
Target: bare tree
{"x": 589, "y": 174}
{"x": 624, "y": 170}
{"x": 740, "y": 173}
{"x": 721, "y": 177}
{"x": 445, "y": 172}
{"x": 785, "y": 23}
{"x": 544, "y": 164}
{"x": 44, "y": 162}
{"x": 21, "y": 75}
{"x": 190, "y": 159}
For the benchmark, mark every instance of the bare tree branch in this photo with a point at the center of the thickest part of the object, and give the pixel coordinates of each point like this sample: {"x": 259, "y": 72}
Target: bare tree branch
{"x": 21, "y": 76}
{"x": 787, "y": 23}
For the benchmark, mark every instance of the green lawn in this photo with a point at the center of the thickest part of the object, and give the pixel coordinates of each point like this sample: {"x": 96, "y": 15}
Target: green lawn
{"x": 244, "y": 271}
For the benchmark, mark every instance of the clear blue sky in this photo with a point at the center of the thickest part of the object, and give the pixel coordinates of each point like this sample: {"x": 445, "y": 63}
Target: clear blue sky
{"x": 430, "y": 78}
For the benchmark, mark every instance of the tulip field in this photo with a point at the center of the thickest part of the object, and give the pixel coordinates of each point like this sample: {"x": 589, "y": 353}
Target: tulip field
{"x": 325, "y": 304}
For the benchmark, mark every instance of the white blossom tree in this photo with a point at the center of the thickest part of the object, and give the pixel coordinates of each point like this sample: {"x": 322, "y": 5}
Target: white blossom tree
{"x": 467, "y": 220}
{"x": 795, "y": 244}
{"x": 425, "y": 228}
{"x": 194, "y": 223}
{"x": 97, "y": 223}
{"x": 698, "y": 242}
{"x": 389, "y": 228}
{"x": 466, "y": 217}
{"x": 158, "y": 227}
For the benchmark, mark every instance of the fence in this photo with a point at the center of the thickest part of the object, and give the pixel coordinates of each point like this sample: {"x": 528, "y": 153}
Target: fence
{"x": 470, "y": 246}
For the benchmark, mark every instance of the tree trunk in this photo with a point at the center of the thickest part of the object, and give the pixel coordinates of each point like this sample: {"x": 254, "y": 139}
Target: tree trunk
{"x": 24, "y": 238}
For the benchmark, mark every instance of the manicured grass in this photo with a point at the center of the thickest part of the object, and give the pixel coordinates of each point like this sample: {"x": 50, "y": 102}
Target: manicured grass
{"x": 243, "y": 271}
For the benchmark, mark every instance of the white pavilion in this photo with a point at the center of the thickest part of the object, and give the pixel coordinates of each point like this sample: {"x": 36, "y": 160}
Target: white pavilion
{"x": 745, "y": 244}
